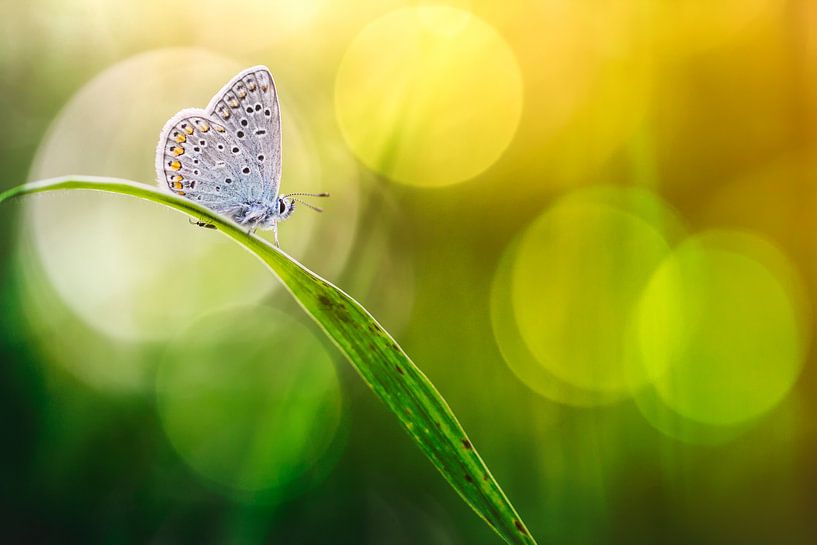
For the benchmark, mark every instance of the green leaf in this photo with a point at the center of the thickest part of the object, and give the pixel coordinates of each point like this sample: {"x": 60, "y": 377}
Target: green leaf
{"x": 375, "y": 355}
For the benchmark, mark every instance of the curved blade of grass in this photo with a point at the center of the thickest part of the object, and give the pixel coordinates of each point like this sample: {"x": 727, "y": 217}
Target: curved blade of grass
{"x": 381, "y": 363}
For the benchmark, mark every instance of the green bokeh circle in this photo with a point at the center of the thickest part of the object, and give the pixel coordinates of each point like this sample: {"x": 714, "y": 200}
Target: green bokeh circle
{"x": 249, "y": 398}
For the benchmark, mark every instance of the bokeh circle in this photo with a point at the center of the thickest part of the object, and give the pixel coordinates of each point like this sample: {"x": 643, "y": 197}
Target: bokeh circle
{"x": 577, "y": 279}
{"x": 250, "y": 399}
{"x": 721, "y": 328}
{"x": 130, "y": 269}
{"x": 428, "y": 95}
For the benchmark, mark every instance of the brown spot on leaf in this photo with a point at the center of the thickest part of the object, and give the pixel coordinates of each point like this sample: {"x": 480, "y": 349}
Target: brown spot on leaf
{"x": 324, "y": 300}
{"x": 439, "y": 426}
{"x": 485, "y": 477}
{"x": 343, "y": 315}
{"x": 399, "y": 369}
{"x": 469, "y": 478}
{"x": 520, "y": 527}
{"x": 467, "y": 444}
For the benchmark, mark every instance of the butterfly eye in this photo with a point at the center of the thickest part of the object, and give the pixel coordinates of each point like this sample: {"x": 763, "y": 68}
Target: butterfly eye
{"x": 281, "y": 206}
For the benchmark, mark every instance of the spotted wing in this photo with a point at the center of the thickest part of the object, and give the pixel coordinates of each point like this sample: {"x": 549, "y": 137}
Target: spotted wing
{"x": 248, "y": 107}
{"x": 198, "y": 158}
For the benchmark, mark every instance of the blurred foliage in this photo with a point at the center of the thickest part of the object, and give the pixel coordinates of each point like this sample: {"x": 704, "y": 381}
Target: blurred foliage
{"x": 235, "y": 428}
{"x": 592, "y": 222}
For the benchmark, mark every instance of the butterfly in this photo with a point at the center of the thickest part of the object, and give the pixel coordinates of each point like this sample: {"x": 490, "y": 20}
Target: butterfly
{"x": 227, "y": 157}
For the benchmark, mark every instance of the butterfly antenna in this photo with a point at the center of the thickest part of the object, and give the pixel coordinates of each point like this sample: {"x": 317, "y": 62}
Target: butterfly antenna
{"x": 306, "y": 195}
{"x": 313, "y": 207}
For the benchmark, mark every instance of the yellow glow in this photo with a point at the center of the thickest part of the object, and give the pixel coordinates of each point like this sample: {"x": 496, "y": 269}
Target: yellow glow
{"x": 428, "y": 96}
{"x": 588, "y": 85}
{"x": 693, "y": 25}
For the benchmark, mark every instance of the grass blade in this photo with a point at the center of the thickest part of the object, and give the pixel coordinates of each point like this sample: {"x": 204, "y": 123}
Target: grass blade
{"x": 381, "y": 363}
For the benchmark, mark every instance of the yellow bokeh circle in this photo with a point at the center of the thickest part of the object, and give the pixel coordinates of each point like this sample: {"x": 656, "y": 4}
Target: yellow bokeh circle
{"x": 428, "y": 96}
{"x": 721, "y": 328}
{"x": 577, "y": 279}
{"x": 516, "y": 354}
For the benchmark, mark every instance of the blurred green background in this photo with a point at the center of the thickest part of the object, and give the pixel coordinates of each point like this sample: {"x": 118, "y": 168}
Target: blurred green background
{"x": 590, "y": 223}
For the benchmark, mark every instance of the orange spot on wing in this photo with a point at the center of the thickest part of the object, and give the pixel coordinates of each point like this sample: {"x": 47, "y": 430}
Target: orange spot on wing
{"x": 175, "y": 165}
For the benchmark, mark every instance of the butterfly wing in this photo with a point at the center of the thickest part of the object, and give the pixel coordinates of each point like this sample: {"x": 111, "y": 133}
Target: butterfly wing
{"x": 195, "y": 159}
{"x": 248, "y": 107}
{"x": 229, "y": 154}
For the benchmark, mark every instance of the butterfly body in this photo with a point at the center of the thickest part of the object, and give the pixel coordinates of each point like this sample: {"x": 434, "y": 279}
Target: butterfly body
{"x": 227, "y": 157}
{"x": 263, "y": 214}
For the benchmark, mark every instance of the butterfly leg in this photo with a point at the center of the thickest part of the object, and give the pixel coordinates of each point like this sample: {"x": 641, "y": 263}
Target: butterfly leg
{"x": 275, "y": 232}
{"x": 202, "y": 224}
